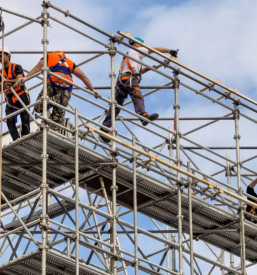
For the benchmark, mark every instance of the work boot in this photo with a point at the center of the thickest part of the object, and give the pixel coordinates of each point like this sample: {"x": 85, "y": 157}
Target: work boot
{"x": 105, "y": 139}
{"x": 151, "y": 117}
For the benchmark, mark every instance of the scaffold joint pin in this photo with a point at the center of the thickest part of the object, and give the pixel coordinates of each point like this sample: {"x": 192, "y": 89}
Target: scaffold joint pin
{"x": 237, "y": 136}
{"x": 176, "y": 106}
{"x": 44, "y": 156}
{"x": 45, "y": 40}
{"x": 44, "y": 186}
{"x": 112, "y": 74}
{"x": 114, "y": 187}
{"x": 43, "y": 247}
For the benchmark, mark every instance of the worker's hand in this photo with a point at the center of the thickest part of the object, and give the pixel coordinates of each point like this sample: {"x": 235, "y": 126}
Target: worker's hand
{"x": 7, "y": 85}
{"x": 174, "y": 53}
{"x": 20, "y": 81}
{"x": 96, "y": 94}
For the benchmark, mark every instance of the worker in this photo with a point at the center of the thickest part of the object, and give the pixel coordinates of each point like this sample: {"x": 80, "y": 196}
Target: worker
{"x": 58, "y": 90}
{"x": 11, "y": 73}
{"x": 130, "y": 75}
{"x": 250, "y": 209}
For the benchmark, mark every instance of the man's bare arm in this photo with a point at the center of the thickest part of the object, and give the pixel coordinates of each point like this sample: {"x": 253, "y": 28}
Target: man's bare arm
{"x": 145, "y": 70}
{"x": 36, "y": 69}
{"x": 79, "y": 74}
{"x": 160, "y": 49}
{"x": 12, "y": 81}
{"x": 253, "y": 183}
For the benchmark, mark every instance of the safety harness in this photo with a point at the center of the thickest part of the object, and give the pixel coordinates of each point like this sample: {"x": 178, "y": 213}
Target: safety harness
{"x": 11, "y": 99}
{"x": 63, "y": 71}
{"x": 130, "y": 74}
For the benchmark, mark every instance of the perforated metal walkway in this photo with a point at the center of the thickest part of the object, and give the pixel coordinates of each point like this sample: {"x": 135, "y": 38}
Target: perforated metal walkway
{"x": 155, "y": 199}
{"x": 55, "y": 265}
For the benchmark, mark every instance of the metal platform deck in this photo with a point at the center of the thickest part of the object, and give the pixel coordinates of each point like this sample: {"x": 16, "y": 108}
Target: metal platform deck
{"x": 56, "y": 265}
{"x": 153, "y": 196}
{"x": 54, "y": 211}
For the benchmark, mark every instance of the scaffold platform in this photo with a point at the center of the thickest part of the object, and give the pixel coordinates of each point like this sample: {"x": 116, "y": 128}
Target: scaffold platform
{"x": 57, "y": 264}
{"x": 155, "y": 199}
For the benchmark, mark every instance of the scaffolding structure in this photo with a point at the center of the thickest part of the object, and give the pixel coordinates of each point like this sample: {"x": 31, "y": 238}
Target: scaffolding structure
{"x": 72, "y": 204}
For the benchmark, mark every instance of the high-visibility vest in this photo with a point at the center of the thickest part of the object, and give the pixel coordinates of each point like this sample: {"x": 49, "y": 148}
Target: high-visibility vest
{"x": 61, "y": 66}
{"x": 11, "y": 98}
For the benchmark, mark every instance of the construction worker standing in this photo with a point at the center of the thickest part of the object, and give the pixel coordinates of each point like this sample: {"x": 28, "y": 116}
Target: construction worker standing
{"x": 130, "y": 75}
{"x": 58, "y": 90}
{"x": 12, "y": 72}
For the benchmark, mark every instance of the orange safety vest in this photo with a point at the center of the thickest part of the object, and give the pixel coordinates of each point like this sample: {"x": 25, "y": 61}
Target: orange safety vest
{"x": 11, "y": 98}
{"x": 61, "y": 66}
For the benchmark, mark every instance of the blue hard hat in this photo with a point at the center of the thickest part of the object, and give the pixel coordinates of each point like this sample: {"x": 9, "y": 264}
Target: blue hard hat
{"x": 131, "y": 42}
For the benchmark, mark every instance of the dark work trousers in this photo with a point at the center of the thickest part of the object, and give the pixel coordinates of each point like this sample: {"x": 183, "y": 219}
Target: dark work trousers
{"x": 122, "y": 92}
{"x": 25, "y": 123}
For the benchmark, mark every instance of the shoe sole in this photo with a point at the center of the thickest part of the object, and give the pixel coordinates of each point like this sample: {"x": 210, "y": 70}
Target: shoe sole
{"x": 152, "y": 119}
{"x": 104, "y": 139}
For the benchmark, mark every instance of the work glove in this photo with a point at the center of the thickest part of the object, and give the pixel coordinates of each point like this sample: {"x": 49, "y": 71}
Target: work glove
{"x": 20, "y": 81}
{"x": 174, "y": 53}
{"x": 96, "y": 94}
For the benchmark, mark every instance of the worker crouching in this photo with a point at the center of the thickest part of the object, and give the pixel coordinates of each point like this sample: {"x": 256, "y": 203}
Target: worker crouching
{"x": 11, "y": 73}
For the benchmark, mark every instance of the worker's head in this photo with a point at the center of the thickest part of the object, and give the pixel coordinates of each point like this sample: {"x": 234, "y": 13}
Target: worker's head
{"x": 60, "y": 53}
{"x": 135, "y": 44}
{"x": 7, "y": 55}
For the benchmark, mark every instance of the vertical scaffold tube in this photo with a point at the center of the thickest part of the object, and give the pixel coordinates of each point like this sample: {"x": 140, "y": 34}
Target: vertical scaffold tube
{"x": 112, "y": 53}
{"x": 135, "y": 205}
{"x": 173, "y": 238}
{"x": 77, "y": 188}
{"x": 44, "y": 217}
{"x": 240, "y": 191}
{"x": 177, "y": 107}
{"x": 190, "y": 220}
{"x": 1, "y": 126}
{"x": 228, "y": 174}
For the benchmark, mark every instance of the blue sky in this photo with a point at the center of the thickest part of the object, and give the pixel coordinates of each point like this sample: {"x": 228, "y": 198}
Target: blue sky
{"x": 216, "y": 38}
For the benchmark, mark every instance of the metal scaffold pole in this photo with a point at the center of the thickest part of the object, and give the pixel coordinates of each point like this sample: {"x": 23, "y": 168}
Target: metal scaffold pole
{"x": 112, "y": 53}
{"x": 240, "y": 190}
{"x": 179, "y": 184}
{"x": 228, "y": 175}
{"x": 173, "y": 238}
{"x": 77, "y": 188}
{"x": 44, "y": 187}
{"x": 190, "y": 220}
{"x": 135, "y": 205}
{"x": 1, "y": 122}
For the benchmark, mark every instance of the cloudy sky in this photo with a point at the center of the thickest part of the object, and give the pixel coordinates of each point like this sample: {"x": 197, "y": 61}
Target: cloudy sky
{"x": 216, "y": 38}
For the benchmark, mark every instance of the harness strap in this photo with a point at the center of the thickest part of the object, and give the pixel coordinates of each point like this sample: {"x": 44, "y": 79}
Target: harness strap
{"x": 129, "y": 65}
{"x": 15, "y": 99}
{"x": 12, "y": 71}
{"x": 54, "y": 86}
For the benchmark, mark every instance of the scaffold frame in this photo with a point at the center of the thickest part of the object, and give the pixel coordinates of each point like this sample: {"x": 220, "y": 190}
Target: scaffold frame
{"x": 124, "y": 179}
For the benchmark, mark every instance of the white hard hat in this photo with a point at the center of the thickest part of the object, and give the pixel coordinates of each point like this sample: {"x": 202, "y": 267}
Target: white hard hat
{"x": 6, "y": 50}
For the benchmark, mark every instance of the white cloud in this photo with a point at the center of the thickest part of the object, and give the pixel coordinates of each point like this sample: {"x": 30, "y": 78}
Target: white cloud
{"x": 215, "y": 37}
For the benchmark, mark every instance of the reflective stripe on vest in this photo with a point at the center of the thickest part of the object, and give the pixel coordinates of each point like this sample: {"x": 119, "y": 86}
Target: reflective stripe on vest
{"x": 10, "y": 76}
{"x": 61, "y": 66}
